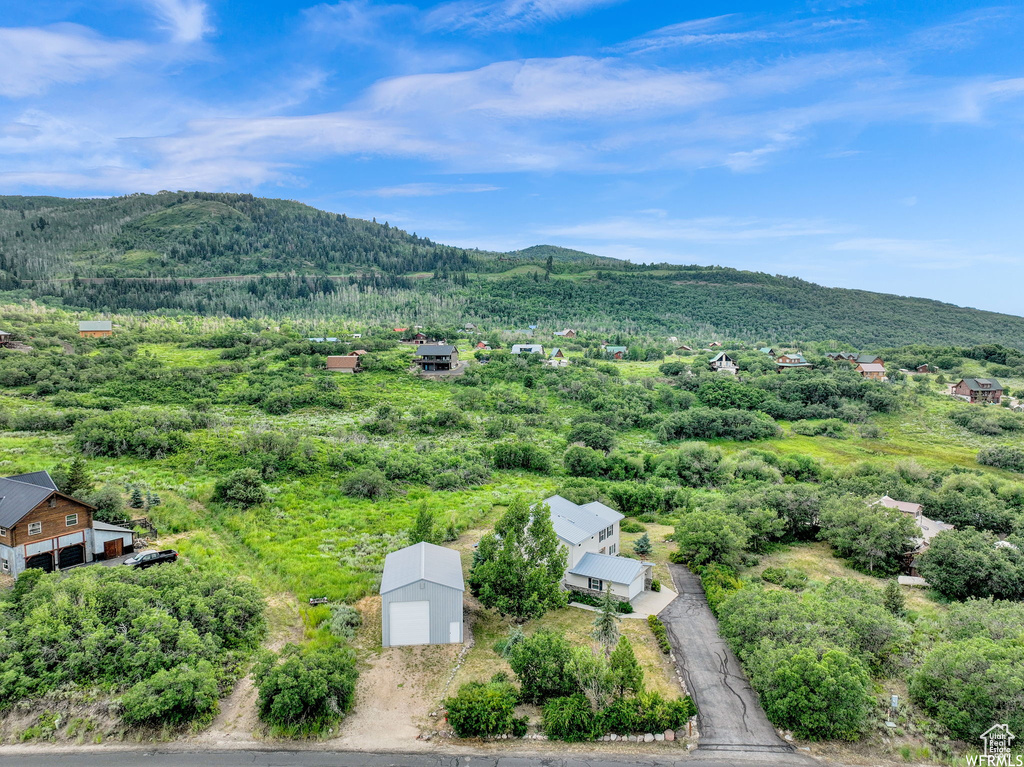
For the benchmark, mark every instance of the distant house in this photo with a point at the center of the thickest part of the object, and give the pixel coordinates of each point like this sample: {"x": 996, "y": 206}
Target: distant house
{"x": 421, "y": 596}
{"x": 616, "y": 352}
{"x": 795, "y": 360}
{"x": 436, "y": 358}
{"x": 420, "y": 339}
{"x": 714, "y": 344}
{"x": 399, "y": 330}
{"x": 527, "y": 349}
{"x": 872, "y": 370}
{"x": 5, "y": 338}
{"x": 567, "y": 333}
{"x": 929, "y": 528}
{"x": 470, "y": 326}
{"x": 979, "y": 390}
{"x": 358, "y": 353}
{"x": 923, "y": 369}
{"x": 483, "y": 346}
{"x": 767, "y": 350}
{"x": 95, "y": 328}
{"x": 329, "y": 340}
{"x": 343, "y": 364}
{"x": 723, "y": 363}
{"x": 556, "y": 353}
{"x": 856, "y": 358}
{"x": 673, "y": 340}
{"x": 44, "y": 528}
{"x": 357, "y": 335}
{"x": 590, "y": 535}
{"x": 684, "y": 348}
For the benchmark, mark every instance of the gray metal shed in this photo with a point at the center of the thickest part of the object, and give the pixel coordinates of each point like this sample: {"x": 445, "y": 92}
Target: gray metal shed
{"x": 421, "y": 596}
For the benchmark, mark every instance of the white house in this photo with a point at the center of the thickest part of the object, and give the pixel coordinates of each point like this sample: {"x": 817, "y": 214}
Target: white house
{"x": 527, "y": 349}
{"x": 590, "y": 534}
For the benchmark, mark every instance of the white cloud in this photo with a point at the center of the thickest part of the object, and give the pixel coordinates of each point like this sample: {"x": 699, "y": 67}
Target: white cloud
{"x": 359, "y": 22}
{"x": 34, "y": 58}
{"x": 928, "y": 254}
{"x": 188, "y": 21}
{"x": 427, "y": 190}
{"x": 721, "y": 230}
{"x": 499, "y": 15}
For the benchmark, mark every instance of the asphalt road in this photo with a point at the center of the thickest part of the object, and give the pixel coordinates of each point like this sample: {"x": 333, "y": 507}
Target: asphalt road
{"x": 173, "y": 758}
{"x": 730, "y": 716}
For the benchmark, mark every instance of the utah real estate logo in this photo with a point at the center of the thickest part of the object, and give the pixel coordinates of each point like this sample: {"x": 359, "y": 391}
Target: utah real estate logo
{"x": 997, "y": 740}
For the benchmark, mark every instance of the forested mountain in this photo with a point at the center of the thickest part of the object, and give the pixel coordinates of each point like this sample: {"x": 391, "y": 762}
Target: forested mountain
{"x": 246, "y": 256}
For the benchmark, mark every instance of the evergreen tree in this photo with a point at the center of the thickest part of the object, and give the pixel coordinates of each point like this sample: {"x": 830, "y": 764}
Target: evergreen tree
{"x": 606, "y": 624}
{"x": 423, "y": 528}
{"x": 893, "y": 599}
{"x": 642, "y": 546}
{"x": 136, "y": 499}
{"x": 627, "y": 677}
{"x": 77, "y": 479}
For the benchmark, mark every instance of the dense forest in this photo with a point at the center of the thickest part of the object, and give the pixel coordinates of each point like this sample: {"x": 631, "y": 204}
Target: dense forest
{"x": 241, "y": 256}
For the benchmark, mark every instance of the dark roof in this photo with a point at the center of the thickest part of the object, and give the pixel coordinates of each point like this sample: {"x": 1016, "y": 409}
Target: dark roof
{"x": 22, "y": 493}
{"x": 434, "y": 350}
{"x": 975, "y": 384}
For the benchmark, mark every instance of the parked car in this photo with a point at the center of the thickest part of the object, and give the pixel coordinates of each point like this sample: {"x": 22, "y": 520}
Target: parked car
{"x": 150, "y": 558}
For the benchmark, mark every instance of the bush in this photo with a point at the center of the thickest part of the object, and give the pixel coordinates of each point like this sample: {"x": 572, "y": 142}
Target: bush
{"x": 631, "y": 526}
{"x": 646, "y": 712}
{"x": 173, "y": 697}
{"x": 582, "y": 461}
{"x": 367, "y": 483}
{"x": 830, "y": 427}
{"x": 719, "y": 582}
{"x": 660, "y": 633}
{"x": 141, "y": 435}
{"x": 711, "y": 537}
{"x": 586, "y": 598}
{"x": 302, "y": 692}
{"x": 570, "y": 719}
{"x": 818, "y": 696}
{"x": 1003, "y": 457}
{"x": 345, "y": 619}
{"x": 521, "y": 455}
{"x": 242, "y": 487}
{"x": 713, "y": 423}
{"x": 540, "y": 661}
{"x": 593, "y": 435}
{"x": 479, "y": 710}
{"x": 655, "y": 585}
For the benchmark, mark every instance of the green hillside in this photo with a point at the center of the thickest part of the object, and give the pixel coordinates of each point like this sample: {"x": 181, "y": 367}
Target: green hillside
{"x": 283, "y": 258}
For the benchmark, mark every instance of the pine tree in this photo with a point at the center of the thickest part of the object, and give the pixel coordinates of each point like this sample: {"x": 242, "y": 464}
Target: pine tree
{"x": 627, "y": 677}
{"x": 78, "y": 479}
{"x": 893, "y": 599}
{"x": 606, "y": 624}
{"x": 136, "y": 500}
{"x": 642, "y": 546}
{"x": 423, "y": 528}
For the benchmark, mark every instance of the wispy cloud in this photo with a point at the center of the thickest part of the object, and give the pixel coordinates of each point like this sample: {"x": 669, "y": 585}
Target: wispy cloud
{"x": 359, "y": 22}
{"x": 925, "y": 254}
{"x": 426, "y": 190}
{"x": 503, "y": 15}
{"x": 704, "y": 231}
{"x": 187, "y": 21}
{"x": 34, "y": 58}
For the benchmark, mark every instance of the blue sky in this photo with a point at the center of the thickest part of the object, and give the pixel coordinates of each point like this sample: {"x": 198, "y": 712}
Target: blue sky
{"x": 854, "y": 144}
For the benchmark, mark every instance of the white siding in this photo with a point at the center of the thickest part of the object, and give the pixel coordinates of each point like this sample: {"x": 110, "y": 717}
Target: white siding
{"x": 593, "y": 544}
{"x": 409, "y": 623}
{"x": 620, "y": 590}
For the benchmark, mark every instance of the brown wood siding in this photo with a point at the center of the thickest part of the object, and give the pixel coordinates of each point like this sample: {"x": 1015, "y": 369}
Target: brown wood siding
{"x": 95, "y": 333}
{"x": 52, "y": 519}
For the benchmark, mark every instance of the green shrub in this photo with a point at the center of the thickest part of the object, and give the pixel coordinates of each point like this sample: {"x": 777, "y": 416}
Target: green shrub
{"x": 242, "y": 487}
{"x": 774, "y": 575}
{"x": 646, "y": 712}
{"x": 302, "y": 692}
{"x": 479, "y": 710}
{"x": 570, "y": 719}
{"x": 345, "y": 619}
{"x": 173, "y": 697}
{"x": 541, "y": 661}
{"x": 660, "y": 633}
{"x": 1003, "y": 457}
{"x": 631, "y": 526}
{"x": 719, "y": 583}
{"x": 655, "y": 585}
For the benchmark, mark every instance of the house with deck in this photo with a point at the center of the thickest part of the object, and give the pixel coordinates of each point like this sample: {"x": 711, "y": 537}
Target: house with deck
{"x": 871, "y": 370}
{"x": 976, "y": 390}
{"x": 723, "y": 363}
{"x": 5, "y": 338}
{"x": 789, "y": 360}
{"x": 590, "y": 535}
{"x": 45, "y": 528}
{"x": 527, "y": 349}
{"x": 437, "y": 358}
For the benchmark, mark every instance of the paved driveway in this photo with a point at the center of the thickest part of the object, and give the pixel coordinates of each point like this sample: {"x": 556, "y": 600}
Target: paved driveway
{"x": 730, "y": 716}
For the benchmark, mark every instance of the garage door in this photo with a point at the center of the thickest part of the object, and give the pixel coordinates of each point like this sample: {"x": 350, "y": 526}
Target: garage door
{"x": 410, "y": 623}
{"x": 42, "y": 561}
{"x": 72, "y": 555}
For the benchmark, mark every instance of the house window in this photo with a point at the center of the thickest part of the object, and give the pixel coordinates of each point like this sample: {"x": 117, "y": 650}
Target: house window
{"x": 601, "y": 536}
{"x": 71, "y": 520}
{"x": 612, "y": 549}
{"x": 5, "y": 566}
{"x": 3, "y": 532}
{"x": 35, "y": 528}
{"x": 596, "y": 584}
{"x": 609, "y": 532}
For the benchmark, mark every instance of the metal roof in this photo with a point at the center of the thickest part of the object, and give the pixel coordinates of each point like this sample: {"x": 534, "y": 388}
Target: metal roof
{"x": 574, "y": 523}
{"x": 95, "y": 325}
{"x": 871, "y": 367}
{"x": 97, "y": 525}
{"x": 907, "y": 506}
{"x": 528, "y": 348}
{"x": 608, "y": 568}
{"x": 22, "y": 493}
{"x": 434, "y": 350}
{"x": 422, "y": 562}
{"x": 982, "y": 384}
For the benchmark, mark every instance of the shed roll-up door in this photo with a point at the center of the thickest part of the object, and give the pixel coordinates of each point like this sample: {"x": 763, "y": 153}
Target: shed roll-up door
{"x": 410, "y": 623}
